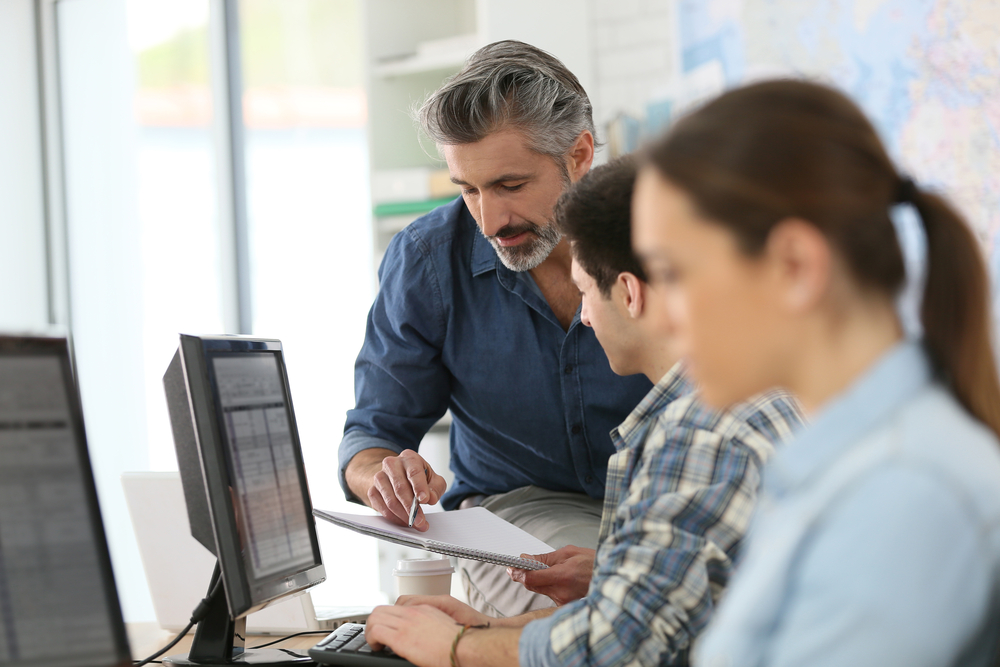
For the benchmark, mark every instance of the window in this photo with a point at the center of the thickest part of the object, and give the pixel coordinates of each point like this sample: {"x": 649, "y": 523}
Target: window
{"x": 309, "y": 233}
{"x": 150, "y": 239}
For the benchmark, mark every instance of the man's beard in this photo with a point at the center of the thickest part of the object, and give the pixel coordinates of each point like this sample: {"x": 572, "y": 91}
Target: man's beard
{"x": 529, "y": 253}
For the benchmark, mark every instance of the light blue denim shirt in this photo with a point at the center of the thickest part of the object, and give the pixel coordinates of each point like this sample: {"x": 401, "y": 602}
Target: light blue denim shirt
{"x": 877, "y": 540}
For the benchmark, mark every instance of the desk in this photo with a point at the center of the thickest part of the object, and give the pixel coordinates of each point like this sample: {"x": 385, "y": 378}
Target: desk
{"x": 147, "y": 638}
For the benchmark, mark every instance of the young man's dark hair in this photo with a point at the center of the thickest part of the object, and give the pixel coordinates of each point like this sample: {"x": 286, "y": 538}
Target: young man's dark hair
{"x": 594, "y": 214}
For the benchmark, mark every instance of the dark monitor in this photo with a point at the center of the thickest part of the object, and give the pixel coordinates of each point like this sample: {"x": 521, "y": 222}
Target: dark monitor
{"x": 58, "y": 602}
{"x": 244, "y": 485}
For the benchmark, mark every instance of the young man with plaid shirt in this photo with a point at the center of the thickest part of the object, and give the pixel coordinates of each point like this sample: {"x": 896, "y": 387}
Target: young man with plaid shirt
{"x": 680, "y": 491}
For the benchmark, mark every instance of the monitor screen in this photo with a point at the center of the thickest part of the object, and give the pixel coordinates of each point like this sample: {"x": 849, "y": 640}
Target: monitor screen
{"x": 244, "y": 481}
{"x": 55, "y": 573}
{"x": 270, "y": 499}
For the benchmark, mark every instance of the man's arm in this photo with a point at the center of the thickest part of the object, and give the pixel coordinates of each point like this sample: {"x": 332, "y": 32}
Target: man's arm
{"x": 650, "y": 597}
{"x": 401, "y": 386}
{"x": 463, "y": 614}
{"x": 360, "y": 471}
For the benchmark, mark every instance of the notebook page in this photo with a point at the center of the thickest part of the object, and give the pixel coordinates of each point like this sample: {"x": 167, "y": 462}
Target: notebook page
{"x": 474, "y": 528}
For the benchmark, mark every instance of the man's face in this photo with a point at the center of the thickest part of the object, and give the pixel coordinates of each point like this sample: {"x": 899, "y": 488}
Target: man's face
{"x": 607, "y": 317}
{"x": 510, "y": 191}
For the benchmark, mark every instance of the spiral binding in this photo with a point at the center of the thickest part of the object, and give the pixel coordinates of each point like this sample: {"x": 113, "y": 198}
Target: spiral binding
{"x": 435, "y": 546}
{"x": 485, "y": 556}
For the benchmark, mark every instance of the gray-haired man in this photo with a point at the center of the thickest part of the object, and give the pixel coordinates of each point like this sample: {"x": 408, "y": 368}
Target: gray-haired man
{"x": 477, "y": 312}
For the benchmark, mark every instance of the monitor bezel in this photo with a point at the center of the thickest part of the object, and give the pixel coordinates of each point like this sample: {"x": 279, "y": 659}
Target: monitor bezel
{"x": 60, "y": 347}
{"x": 212, "y": 451}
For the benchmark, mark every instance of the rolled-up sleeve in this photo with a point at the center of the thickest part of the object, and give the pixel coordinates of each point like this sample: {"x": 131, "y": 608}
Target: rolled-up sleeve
{"x": 401, "y": 386}
{"x": 660, "y": 570}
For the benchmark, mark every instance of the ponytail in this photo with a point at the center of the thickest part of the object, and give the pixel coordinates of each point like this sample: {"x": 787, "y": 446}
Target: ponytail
{"x": 956, "y": 310}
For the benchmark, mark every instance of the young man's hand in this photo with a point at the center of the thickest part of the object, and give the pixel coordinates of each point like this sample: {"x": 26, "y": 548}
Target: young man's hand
{"x": 460, "y": 612}
{"x": 420, "y": 633}
{"x": 567, "y": 577}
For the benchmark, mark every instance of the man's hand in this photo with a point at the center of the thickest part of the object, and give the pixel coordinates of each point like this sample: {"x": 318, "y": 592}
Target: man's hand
{"x": 566, "y": 579}
{"x": 459, "y": 612}
{"x": 386, "y": 482}
{"x": 422, "y": 634}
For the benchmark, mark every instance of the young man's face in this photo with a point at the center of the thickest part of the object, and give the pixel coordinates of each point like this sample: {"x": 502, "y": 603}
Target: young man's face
{"x": 510, "y": 191}
{"x": 608, "y": 318}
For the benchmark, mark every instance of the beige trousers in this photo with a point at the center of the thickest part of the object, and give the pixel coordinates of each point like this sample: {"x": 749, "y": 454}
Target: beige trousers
{"x": 555, "y": 517}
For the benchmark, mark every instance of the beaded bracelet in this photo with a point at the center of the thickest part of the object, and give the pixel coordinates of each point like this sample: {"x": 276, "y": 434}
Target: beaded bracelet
{"x": 454, "y": 645}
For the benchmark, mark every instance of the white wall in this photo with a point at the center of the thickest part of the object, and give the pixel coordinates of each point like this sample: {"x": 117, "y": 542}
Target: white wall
{"x": 24, "y": 291}
{"x": 561, "y": 27}
{"x": 633, "y": 54}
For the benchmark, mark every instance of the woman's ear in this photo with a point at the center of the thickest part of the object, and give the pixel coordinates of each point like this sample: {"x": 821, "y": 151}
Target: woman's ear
{"x": 801, "y": 261}
{"x": 633, "y": 293}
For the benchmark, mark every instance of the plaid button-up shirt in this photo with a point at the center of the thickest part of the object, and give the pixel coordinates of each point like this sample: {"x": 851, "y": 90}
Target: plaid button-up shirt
{"x": 680, "y": 492}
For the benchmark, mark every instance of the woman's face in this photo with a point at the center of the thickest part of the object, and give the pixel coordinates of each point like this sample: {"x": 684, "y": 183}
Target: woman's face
{"x": 722, "y": 302}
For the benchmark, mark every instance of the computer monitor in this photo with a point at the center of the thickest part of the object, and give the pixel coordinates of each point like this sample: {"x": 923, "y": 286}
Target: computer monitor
{"x": 58, "y": 601}
{"x": 244, "y": 486}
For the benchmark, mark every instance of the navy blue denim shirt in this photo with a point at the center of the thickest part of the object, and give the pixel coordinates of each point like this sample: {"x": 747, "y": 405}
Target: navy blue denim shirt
{"x": 452, "y": 327}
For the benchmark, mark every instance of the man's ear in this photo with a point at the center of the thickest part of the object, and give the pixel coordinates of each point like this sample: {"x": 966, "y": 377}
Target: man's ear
{"x": 801, "y": 261}
{"x": 633, "y": 293}
{"x": 580, "y": 156}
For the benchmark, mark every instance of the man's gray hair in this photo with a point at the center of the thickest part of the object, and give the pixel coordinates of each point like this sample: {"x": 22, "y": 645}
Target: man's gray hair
{"x": 510, "y": 85}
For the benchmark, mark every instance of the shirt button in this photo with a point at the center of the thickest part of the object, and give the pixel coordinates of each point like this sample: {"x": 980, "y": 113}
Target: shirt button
{"x": 568, "y": 369}
{"x": 589, "y": 479}
{"x": 576, "y": 429}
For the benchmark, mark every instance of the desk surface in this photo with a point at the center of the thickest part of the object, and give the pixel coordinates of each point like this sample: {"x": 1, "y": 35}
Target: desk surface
{"x": 147, "y": 638}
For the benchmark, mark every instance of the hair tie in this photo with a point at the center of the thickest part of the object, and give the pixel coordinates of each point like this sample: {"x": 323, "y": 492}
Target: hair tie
{"x": 911, "y": 235}
{"x": 906, "y": 191}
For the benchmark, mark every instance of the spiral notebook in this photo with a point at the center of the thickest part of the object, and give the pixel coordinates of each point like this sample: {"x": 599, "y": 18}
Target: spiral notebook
{"x": 475, "y": 533}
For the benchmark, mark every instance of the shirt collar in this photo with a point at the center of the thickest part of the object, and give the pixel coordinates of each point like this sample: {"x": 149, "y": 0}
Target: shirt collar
{"x": 484, "y": 257}
{"x": 671, "y": 386}
{"x": 893, "y": 380}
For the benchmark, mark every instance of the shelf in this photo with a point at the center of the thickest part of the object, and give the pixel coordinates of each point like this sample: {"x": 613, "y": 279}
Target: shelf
{"x": 393, "y": 224}
{"x": 407, "y": 207}
{"x": 432, "y": 55}
{"x": 420, "y": 64}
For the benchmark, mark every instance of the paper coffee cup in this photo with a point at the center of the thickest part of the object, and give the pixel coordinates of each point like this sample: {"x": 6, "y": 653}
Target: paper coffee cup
{"x": 423, "y": 576}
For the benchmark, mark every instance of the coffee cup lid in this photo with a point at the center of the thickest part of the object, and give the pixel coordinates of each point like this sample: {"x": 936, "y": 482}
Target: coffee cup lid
{"x": 421, "y": 567}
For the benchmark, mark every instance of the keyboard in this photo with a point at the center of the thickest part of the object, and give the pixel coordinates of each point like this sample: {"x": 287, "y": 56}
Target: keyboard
{"x": 347, "y": 646}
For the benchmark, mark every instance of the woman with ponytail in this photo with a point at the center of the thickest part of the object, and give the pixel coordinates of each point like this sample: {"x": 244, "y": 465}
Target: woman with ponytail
{"x": 793, "y": 253}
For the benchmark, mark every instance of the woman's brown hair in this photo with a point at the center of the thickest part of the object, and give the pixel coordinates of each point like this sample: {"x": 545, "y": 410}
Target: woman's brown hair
{"x": 778, "y": 149}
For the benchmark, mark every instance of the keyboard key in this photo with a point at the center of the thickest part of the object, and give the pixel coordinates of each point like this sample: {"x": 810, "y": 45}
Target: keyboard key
{"x": 355, "y": 644}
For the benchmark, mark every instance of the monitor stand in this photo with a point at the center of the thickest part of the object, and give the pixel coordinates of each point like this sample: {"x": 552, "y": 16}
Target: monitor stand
{"x": 220, "y": 641}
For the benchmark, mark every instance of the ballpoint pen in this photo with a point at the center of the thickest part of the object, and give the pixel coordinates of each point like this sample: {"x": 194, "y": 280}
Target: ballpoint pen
{"x": 414, "y": 505}
{"x": 413, "y": 510}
